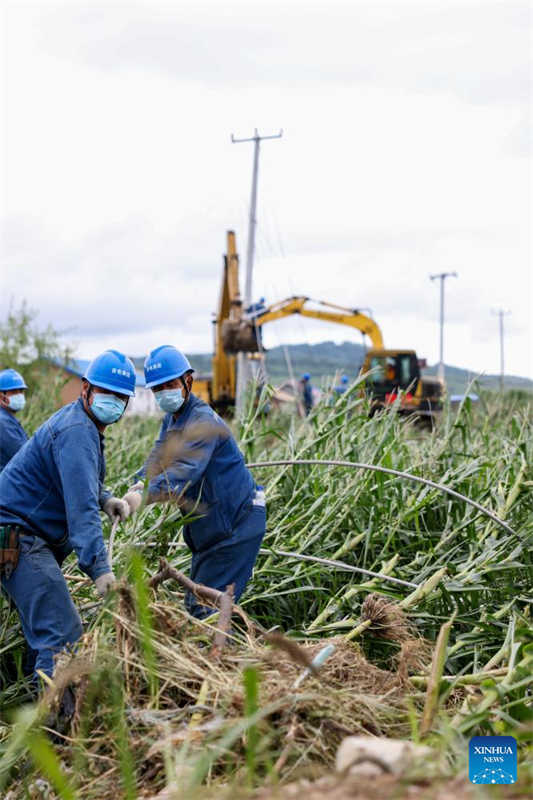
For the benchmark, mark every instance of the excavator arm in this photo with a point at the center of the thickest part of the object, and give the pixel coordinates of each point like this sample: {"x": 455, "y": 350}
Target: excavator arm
{"x": 229, "y": 311}
{"x": 235, "y": 331}
{"x": 337, "y": 314}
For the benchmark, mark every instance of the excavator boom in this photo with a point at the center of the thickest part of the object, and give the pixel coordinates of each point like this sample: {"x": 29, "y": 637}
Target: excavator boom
{"x": 238, "y": 330}
{"x": 222, "y": 390}
{"x": 342, "y": 316}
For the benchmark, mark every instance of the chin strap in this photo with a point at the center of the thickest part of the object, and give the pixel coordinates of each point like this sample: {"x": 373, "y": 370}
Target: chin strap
{"x": 187, "y": 391}
{"x": 87, "y": 406}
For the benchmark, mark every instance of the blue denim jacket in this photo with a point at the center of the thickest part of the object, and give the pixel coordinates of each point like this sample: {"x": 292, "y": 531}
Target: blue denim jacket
{"x": 54, "y": 486}
{"x": 197, "y": 458}
{"x": 12, "y": 436}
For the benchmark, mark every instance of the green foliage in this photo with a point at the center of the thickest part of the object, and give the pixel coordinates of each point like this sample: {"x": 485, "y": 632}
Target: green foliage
{"x": 251, "y": 707}
{"x": 26, "y": 347}
{"x": 144, "y": 618}
{"x": 365, "y": 519}
{"x": 47, "y": 762}
{"x": 118, "y": 729}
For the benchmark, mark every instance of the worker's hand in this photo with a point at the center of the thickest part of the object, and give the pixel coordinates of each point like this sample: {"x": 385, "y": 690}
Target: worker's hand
{"x": 104, "y": 583}
{"x": 134, "y": 497}
{"x": 115, "y": 507}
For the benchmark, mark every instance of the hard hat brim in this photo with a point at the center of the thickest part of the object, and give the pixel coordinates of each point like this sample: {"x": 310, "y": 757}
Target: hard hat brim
{"x": 21, "y": 386}
{"x": 112, "y": 387}
{"x": 158, "y": 382}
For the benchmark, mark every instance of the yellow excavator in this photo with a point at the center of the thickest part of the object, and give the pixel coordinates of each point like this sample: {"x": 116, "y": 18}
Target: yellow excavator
{"x": 394, "y": 375}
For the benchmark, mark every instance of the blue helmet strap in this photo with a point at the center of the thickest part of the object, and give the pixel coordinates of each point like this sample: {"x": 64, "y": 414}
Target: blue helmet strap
{"x": 87, "y": 402}
{"x": 184, "y": 382}
{"x": 86, "y": 399}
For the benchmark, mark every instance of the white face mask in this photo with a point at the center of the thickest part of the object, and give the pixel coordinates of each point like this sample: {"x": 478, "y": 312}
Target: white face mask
{"x": 17, "y": 401}
{"x": 169, "y": 400}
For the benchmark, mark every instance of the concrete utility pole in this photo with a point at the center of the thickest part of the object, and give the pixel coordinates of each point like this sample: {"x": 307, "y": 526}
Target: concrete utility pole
{"x": 243, "y": 371}
{"x": 501, "y": 313}
{"x": 442, "y": 277}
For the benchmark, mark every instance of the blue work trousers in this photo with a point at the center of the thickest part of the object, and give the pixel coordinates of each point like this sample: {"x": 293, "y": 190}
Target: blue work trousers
{"x": 228, "y": 561}
{"x": 49, "y": 619}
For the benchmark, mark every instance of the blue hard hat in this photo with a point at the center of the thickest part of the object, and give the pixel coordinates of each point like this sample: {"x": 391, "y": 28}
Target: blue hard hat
{"x": 345, "y": 379}
{"x": 11, "y": 379}
{"x": 114, "y": 371}
{"x": 306, "y": 376}
{"x": 164, "y": 364}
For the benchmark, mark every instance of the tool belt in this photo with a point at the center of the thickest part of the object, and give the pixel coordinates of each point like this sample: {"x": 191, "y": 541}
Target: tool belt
{"x": 9, "y": 549}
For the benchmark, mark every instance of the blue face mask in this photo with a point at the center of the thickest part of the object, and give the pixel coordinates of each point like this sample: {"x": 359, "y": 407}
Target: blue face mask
{"x": 17, "y": 402}
{"x": 170, "y": 400}
{"x": 107, "y": 408}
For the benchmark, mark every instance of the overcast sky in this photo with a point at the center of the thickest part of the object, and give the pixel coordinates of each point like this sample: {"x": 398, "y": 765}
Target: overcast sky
{"x": 404, "y": 153}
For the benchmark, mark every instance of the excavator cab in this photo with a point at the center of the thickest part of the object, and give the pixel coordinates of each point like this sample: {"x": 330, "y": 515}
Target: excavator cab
{"x": 392, "y": 371}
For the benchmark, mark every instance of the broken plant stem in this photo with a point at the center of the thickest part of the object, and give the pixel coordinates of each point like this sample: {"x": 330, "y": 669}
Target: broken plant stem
{"x": 431, "y": 704}
{"x": 224, "y": 620}
{"x": 471, "y": 679}
{"x": 206, "y": 594}
{"x": 203, "y": 593}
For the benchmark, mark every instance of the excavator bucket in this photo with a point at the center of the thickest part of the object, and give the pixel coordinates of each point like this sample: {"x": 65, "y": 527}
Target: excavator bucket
{"x": 240, "y": 337}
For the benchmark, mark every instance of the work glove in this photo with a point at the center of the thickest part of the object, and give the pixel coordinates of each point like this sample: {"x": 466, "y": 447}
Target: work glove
{"x": 134, "y": 497}
{"x": 115, "y": 507}
{"x": 104, "y": 583}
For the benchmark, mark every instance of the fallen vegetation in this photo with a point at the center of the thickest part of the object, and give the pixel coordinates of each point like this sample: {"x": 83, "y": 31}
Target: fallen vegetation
{"x": 168, "y": 707}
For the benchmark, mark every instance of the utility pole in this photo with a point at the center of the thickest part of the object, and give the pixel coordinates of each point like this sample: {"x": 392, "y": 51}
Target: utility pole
{"x": 442, "y": 277}
{"x": 501, "y": 313}
{"x": 243, "y": 371}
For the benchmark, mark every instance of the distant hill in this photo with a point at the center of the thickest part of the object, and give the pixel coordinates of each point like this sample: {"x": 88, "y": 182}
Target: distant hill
{"x": 325, "y": 359}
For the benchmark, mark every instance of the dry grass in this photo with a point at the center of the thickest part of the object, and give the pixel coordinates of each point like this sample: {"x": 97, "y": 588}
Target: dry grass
{"x": 200, "y": 698}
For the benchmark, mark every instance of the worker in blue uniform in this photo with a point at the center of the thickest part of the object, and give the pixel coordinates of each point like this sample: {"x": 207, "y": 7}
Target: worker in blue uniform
{"x": 12, "y": 400}
{"x": 343, "y": 385}
{"x": 307, "y": 392}
{"x": 51, "y": 495}
{"x": 196, "y": 463}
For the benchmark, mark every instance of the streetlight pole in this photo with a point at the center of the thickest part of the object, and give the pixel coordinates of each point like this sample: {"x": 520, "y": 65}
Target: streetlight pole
{"x": 501, "y": 313}
{"x": 442, "y": 277}
{"x": 243, "y": 371}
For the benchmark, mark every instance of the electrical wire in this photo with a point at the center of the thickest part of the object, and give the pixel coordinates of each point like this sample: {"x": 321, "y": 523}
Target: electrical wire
{"x": 397, "y": 473}
{"x": 330, "y": 562}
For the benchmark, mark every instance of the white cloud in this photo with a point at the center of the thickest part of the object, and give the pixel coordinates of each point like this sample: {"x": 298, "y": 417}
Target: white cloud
{"x": 406, "y": 127}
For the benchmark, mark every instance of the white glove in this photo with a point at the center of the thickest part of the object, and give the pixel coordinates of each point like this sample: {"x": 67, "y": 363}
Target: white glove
{"x": 104, "y": 583}
{"x": 134, "y": 497}
{"x": 114, "y": 507}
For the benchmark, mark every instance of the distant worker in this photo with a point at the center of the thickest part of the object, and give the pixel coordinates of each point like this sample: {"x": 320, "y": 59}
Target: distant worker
{"x": 12, "y": 400}
{"x": 343, "y": 385}
{"x": 195, "y": 462}
{"x": 52, "y": 492}
{"x": 307, "y": 392}
{"x": 256, "y": 309}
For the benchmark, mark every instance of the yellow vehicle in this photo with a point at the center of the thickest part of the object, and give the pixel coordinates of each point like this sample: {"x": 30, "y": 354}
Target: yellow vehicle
{"x": 392, "y": 372}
